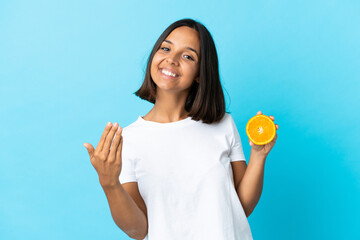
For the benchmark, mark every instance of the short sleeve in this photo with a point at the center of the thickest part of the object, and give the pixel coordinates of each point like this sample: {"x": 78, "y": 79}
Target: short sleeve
{"x": 236, "y": 151}
{"x": 127, "y": 173}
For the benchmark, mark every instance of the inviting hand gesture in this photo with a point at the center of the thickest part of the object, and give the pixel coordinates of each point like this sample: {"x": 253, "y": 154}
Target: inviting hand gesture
{"x": 264, "y": 150}
{"x": 106, "y": 161}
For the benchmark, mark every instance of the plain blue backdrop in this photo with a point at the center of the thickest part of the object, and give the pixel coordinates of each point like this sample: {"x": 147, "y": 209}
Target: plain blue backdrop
{"x": 69, "y": 67}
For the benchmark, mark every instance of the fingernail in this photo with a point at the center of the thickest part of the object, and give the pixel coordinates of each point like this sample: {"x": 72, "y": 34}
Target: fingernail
{"x": 108, "y": 124}
{"x": 119, "y": 128}
{"x": 116, "y": 124}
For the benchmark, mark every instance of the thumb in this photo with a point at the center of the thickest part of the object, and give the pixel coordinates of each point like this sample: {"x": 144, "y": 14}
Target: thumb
{"x": 89, "y": 148}
{"x": 251, "y": 143}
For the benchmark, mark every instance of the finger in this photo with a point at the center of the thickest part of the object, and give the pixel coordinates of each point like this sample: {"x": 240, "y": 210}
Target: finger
{"x": 272, "y": 117}
{"x": 90, "y": 149}
{"x": 115, "y": 144}
{"x": 277, "y": 126}
{"x": 103, "y": 137}
{"x": 109, "y": 139}
{"x": 118, "y": 151}
{"x": 259, "y": 113}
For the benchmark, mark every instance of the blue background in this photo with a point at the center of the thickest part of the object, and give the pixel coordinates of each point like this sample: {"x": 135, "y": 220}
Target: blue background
{"x": 69, "y": 67}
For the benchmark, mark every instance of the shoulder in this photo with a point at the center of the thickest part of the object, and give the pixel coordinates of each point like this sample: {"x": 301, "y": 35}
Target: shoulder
{"x": 224, "y": 126}
{"x": 228, "y": 120}
{"x": 230, "y": 124}
{"x": 131, "y": 127}
{"x": 229, "y": 117}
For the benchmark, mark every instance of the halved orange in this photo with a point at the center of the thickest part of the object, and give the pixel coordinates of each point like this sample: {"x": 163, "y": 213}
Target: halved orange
{"x": 260, "y": 129}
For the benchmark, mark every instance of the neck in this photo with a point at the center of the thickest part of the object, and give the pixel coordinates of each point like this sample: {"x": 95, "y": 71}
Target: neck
{"x": 168, "y": 108}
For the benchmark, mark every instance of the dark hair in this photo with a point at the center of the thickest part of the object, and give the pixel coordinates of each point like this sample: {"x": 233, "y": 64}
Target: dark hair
{"x": 206, "y": 99}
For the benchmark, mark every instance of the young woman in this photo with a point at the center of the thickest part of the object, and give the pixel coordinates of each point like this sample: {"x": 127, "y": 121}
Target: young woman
{"x": 179, "y": 172}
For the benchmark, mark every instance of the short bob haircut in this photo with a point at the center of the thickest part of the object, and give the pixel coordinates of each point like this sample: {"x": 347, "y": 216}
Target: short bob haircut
{"x": 206, "y": 99}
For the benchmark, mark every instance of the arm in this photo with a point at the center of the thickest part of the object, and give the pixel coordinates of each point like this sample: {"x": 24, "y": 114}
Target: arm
{"x": 250, "y": 188}
{"x": 107, "y": 162}
{"x": 251, "y": 185}
{"x": 125, "y": 212}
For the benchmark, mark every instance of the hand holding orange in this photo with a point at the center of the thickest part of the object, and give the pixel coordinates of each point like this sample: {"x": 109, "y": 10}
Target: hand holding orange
{"x": 261, "y": 131}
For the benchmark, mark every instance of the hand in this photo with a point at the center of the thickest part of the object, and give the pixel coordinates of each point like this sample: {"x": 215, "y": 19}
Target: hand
{"x": 263, "y": 150}
{"x": 106, "y": 161}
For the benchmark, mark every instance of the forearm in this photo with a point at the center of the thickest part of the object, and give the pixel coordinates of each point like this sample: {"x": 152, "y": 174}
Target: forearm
{"x": 125, "y": 212}
{"x": 250, "y": 187}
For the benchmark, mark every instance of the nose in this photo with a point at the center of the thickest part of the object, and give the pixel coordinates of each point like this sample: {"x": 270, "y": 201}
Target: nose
{"x": 172, "y": 59}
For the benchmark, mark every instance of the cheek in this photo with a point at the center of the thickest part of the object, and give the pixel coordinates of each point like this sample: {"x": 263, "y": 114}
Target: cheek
{"x": 194, "y": 70}
{"x": 157, "y": 57}
{"x": 155, "y": 62}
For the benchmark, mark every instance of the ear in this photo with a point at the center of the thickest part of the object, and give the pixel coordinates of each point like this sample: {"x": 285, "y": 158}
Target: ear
{"x": 197, "y": 79}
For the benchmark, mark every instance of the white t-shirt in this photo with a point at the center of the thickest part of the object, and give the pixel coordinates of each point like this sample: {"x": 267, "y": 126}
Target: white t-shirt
{"x": 185, "y": 177}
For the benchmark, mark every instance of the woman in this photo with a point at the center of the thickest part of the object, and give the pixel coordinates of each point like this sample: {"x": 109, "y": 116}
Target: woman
{"x": 179, "y": 172}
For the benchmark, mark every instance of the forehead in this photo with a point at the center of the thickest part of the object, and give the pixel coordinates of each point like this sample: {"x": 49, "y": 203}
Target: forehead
{"x": 185, "y": 37}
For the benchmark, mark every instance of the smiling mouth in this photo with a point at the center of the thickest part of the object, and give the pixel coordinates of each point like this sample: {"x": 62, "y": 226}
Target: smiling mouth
{"x": 168, "y": 75}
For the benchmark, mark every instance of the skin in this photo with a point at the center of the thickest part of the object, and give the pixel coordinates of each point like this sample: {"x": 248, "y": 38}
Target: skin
{"x": 248, "y": 180}
{"x": 170, "y": 107}
{"x": 172, "y": 93}
{"x": 170, "y": 99}
{"x": 106, "y": 158}
{"x": 124, "y": 200}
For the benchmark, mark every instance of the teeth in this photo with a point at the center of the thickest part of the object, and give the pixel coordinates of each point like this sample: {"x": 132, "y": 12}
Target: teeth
{"x": 168, "y": 73}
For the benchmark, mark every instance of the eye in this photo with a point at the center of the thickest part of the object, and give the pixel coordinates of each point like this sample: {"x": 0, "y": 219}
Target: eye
{"x": 189, "y": 57}
{"x": 186, "y": 56}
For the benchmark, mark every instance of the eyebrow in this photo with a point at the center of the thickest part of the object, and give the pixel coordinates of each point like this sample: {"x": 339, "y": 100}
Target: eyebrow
{"x": 191, "y": 49}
